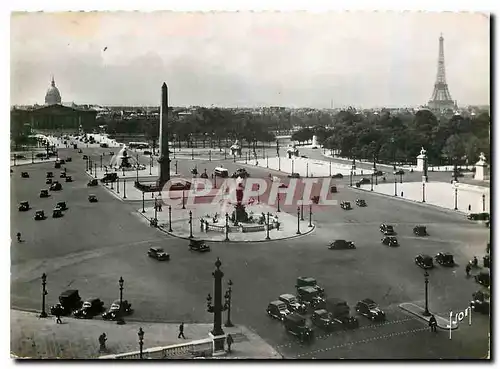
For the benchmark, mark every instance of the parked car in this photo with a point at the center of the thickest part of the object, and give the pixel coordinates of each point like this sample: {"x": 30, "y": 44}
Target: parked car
{"x": 25, "y": 175}
{"x": 93, "y": 198}
{"x": 241, "y": 173}
{"x": 69, "y": 301}
{"x": 309, "y": 282}
{"x": 57, "y": 213}
{"x": 296, "y": 324}
{"x": 180, "y": 186}
{"x": 50, "y": 175}
{"x": 89, "y": 309}
{"x": 69, "y": 179}
{"x": 341, "y": 311}
{"x": 92, "y": 183}
{"x": 369, "y": 309}
{"x": 399, "y": 172}
{"x": 387, "y": 229}
{"x": 445, "y": 259}
{"x": 57, "y": 165}
{"x": 294, "y": 175}
{"x": 55, "y": 186}
{"x": 341, "y": 245}
{"x": 147, "y": 152}
{"x": 24, "y": 206}
{"x": 40, "y": 155}
{"x": 338, "y": 175}
{"x": 277, "y": 310}
{"x": 420, "y": 230}
{"x": 111, "y": 153}
{"x": 44, "y": 193}
{"x": 361, "y": 203}
{"x": 62, "y": 205}
{"x": 346, "y": 205}
{"x": 480, "y": 302}
{"x": 198, "y": 245}
{"x": 424, "y": 261}
{"x": 364, "y": 181}
{"x": 116, "y": 311}
{"x": 310, "y": 297}
{"x": 62, "y": 175}
{"x": 48, "y": 181}
{"x": 478, "y": 216}
{"x": 104, "y": 145}
{"x": 109, "y": 177}
{"x": 68, "y": 159}
{"x": 390, "y": 241}
{"x": 39, "y": 215}
{"x": 62, "y": 161}
{"x": 333, "y": 189}
{"x": 483, "y": 278}
{"x": 85, "y": 157}
{"x": 292, "y": 303}
{"x": 19, "y": 156}
{"x": 325, "y": 320}
{"x": 158, "y": 253}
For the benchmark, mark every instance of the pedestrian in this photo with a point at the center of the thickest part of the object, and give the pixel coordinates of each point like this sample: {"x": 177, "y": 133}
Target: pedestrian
{"x": 18, "y": 236}
{"x": 401, "y": 193}
{"x": 58, "y": 316}
{"x": 181, "y": 331}
{"x": 102, "y": 342}
{"x": 467, "y": 269}
{"x": 433, "y": 323}
{"x": 469, "y": 207}
{"x": 159, "y": 206}
{"x": 229, "y": 341}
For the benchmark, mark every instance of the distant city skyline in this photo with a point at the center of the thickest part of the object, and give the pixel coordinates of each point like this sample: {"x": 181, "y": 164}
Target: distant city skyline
{"x": 249, "y": 60}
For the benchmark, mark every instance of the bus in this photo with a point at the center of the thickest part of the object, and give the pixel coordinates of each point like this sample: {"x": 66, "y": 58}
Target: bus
{"x": 138, "y": 145}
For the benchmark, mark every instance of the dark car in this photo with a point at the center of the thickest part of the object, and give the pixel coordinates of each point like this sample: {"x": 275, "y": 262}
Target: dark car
{"x": 19, "y": 156}
{"x": 147, "y": 152}
{"x": 369, "y": 309}
{"x": 62, "y": 175}
{"x": 158, "y": 253}
{"x": 424, "y": 261}
{"x": 39, "y": 215}
{"x": 296, "y": 324}
{"x": 478, "y": 216}
{"x": 57, "y": 165}
{"x": 480, "y": 302}
{"x": 445, "y": 259}
{"x": 92, "y": 183}
{"x": 55, "y": 186}
{"x": 69, "y": 301}
{"x": 364, "y": 181}
{"x": 109, "y": 177}
{"x": 340, "y": 310}
{"x": 338, "y": 175}
{"x": 85, "y": 157}
{"x": 378, "y": 173}
{"x": 361, "y": 202}
{"x": 483, "y": 278}
{"x": 325, "y": 320}
{"x": 25, "y": 175}
{"x": 69, "y": 179}
{"x": 399, "y": 172}
{"x": 68, "y": 159}
{"x": 310, "y": 297}
{"x": 346, "y": 205}
{"x": 89, "y": 309}
{"x": 180, "y": 186}
{"x": 292, "y": 303}
{"x": 50, "y": 175}
{"x": 309, "y": 282}
{"x": 62, "y": 205}
{"x": 333, "y": 189}
{"x": 111, "y": 153}
{"x": 294, "y": 175}
{"x": 277, "y": 310}
{"x": 57, "y": 213}
{"x": 40, "y": 155}
{"x": 241, "y": 173}
{"x": 116, "y": 311}
{"x": 48, "y": 181}
{"x": 198, "y": 245}
{"x": 93, "y": 198}
{"x": 387, "y": 229}
{"x": 44, "y": 193}
{"x": 420, "y": 230}
{"x": 104, "y": 145}
{"x": 390, "y": 241}
{"x": 79, "y": 151}
{"x": 24, "y": 206}
{"x": 62, "y": 161}
{"x": 341, "y": 245}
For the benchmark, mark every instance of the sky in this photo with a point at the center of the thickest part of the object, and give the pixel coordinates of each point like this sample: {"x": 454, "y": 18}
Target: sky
{"x": 295, "y": 59}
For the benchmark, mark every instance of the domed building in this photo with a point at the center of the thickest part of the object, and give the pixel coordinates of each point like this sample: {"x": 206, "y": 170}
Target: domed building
{"x": 52, "y": 97}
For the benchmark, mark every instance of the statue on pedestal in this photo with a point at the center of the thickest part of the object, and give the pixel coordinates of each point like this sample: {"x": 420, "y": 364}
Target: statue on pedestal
{"x": 235, "y": 148}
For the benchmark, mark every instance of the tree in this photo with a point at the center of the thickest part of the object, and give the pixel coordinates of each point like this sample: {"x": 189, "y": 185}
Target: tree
{"x": 454, "y": 147}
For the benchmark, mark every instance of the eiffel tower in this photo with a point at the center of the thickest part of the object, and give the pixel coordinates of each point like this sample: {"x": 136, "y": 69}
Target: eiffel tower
{"x": 441, "y": 98}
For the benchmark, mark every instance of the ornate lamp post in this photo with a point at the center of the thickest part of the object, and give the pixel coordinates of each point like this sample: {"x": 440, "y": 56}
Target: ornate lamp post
{"x": 120, "y": 282}
{"x": 183, "y": 200}
{"x": 137, "y": 172}
{"x": 95, "y": 170}
{"x": 329, "y": 169}
{"x": 302, "y": 210}
{"x": 150, "y": 163}
{"x": 401, "y": 177}
{"x": 141, "y": 341}
{"x": 423, "y": 191}
{"x": 190, "y": 224}
{"x": 278, "y": 203}
{"x": 170, "y": 218}
{"x": 279, "y": 163}
{"x": 143, "y": 202}
{"x": 124, "y": 194}
{"x": 117, "y": 184}
{"x": 307, "y": 170}
{"x": 227, "y": 296}
{"x": 310, "y": 216}
{"x": 32, "y": 157}
{"x": 101, "y": 161}
{"x": 426, "y": 276}
{"x": 292, "y": 166}
{"x": 350, "y": 178}
{"x": 217, "y": 308}
{"x": 156, "y": 211}
{"x": 371, "y": 183}
{"x": 267, "y": 228}
{"x": 267, "y": 161}
{"x": 43, "y": 314}
{"x": 227, "y": 228}
{"x": 484, "y": 202}
{"x": 395, "y": 186}
{"x": 456, "y": 197}
{"x": 298, "y": 220}
{"x": 176, "y": 167}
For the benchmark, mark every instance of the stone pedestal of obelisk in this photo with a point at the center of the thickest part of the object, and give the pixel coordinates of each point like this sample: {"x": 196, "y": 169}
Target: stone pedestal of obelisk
{"x": 164, "y": 160}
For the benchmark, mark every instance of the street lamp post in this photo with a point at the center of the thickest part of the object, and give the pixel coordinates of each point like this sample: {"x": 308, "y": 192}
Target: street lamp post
{"x": 120, "y": 282}
{"x": 209, "y": 155}
{"x": 227, "y": 296}
{"x": 95, "y": 170}
{"x": 143, "y": 202}
{"x": 267, "y": 228}
{"x": 217, "y": 308}
{"x": 395, "y": 186}
{"x": 401, "y": 177}
{"x": 298, "y": 220}
{"x": 278, "y": 203}
{"x": 279, "y": 163}
{"x": 117, "y": 185}
{"x": 43, "y": 314}
{"x": 307, "y": 170}
{"x": 371, "y": 183}
{"x": 112, "y": 187}
{"x": 292, "y": 166}
{"x": 227, "y": 228}
{"x": 170, "y": 218}
{"x": 150, "y": 163}
{"x": 350, "y": 178}
{"x": 267, "y": 161}
{"x": 101, "y": 161}
{"x": 329, "y": 169}
{"x": 302, "y": 210}
{"x": 310, "y": 216}
{"x": 190, "y": 224}
{"x": 183, "y": 200}
{"x": 176, "y": 167}
{"x": 423, "y": 191}
{"x": 137, "y": 172}
{"x": 484, "y": 202}
{"x": 124, "y": 193}
{"x": 141, "y": 341}
{"x": 456, "y": 198}
{"x": 426, "y": 276}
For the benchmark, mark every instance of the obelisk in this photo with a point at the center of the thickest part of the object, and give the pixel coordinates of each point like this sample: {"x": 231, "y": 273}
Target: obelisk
{"x": 164, "y": 160}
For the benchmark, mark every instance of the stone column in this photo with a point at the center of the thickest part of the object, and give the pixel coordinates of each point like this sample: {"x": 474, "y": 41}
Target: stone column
{"x": 164, "y": 160}
{"x": 422, "y": 164}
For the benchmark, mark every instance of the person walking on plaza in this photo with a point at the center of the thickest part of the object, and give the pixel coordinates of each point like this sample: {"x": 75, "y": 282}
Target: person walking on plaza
{"x": 58, "y": 315}
{"x": 18, "y": 236}
{"x": 433, "y": 323}
{"x": 467, "y": 269}
{"x": 229, "y": 341}
{"x": 102, "y": 342}
{"x": 181, "y": 331}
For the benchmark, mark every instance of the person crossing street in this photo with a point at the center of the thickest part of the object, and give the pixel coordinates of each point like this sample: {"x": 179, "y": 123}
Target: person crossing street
{"x": 181, "y": 331}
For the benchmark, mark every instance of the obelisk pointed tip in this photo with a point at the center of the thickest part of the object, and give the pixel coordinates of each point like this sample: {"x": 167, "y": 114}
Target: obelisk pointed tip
{"x": 164, "y": 85}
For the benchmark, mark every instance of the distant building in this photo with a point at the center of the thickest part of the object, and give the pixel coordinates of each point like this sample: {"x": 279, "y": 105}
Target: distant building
{"x": 53, "y": 96}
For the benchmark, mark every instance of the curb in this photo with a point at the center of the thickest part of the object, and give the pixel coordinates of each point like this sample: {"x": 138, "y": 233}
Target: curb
{"x": 425, "y": 318}
{"x": 36, "y": 162}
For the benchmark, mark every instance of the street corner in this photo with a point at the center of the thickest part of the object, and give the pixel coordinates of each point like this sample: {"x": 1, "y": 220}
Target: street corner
{"x": 442, "y": 322}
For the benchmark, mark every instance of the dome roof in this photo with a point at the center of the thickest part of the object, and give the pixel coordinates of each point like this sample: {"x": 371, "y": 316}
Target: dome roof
{"x": 52, "y": 97}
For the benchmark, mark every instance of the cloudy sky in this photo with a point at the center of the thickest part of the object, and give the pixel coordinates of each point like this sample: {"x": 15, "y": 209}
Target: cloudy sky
{"x": 249, "y": 59}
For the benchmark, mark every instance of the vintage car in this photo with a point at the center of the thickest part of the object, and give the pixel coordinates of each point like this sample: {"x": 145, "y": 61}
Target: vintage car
{"x": 111, "y": 153}
{"x": 292, "y": 303}
{"x": 85, "y": 157}
{"x": 62, "y": 175}
{"x": 104, "y": 145}
{"x": 147, "y": 152}
{"x": 341, "y": 311}
{"x": 424, "y": 261}
{"x": 93, "y": 198}
{"x": 390, "y": 241}
{"x": 341, "y": 245}
{"x": 294, "y": 175}
{"x": 364, "y": 181}
{"x": 333, "y": 189}
{"x": 69, "y": 301}
{"x": 277, "y": 310}
{"x": 241, "y": 173}
{"x": 399, "y": 172}
{"x": 478, "y": 216}
{"x": 57, "y": 165}
{"x": 55, "y": 186}
{"x": 180, "y": 186}
{"x": 19, "y": 156}
{"x": 57, "y": 213}
{"x": 114, "y": 312}
{"x": 338, "y": 175}
{"x": 309, "y": 282}
{"x": 198, "y": 245}
{"x": 487, "y": 261}
{"x": 483, "y": 278}
{"x": 378, "y": 173}
{"x": 480, "y": 302}
{"x": 92, "y": 183}
{"x": 325, "y": 320}
{"x": 25, "y": 175}
{"x": 296, "y": 324}
{"x": 80, "y": 151}
{"x": 62, "y": 161}
{"x": 369, "y": 309}
{"x": 89, "y": 309}
{"x": 158, "y": 253}
{"x": 361, "y": 203}
{"x": 44, "y": 193}
{"x": 69, "y": 179}
{"x": 109, "y": 177}
{"x": 40, "y": 155}
{"x": 346, "y": 205}
{"x": 445, "y": 259}
{"x": 310, "y": 297}
{"x": 50, "y": 175}
{"x": 68, "y": 159}
{"x": 24, "y": 206}
{"x": 387, "y": 229}
{"x": 39, "y": 215}
{"x": 48, "y": 181}
{"x": 62, "y": 205}
{"x": 420, "y": 230}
